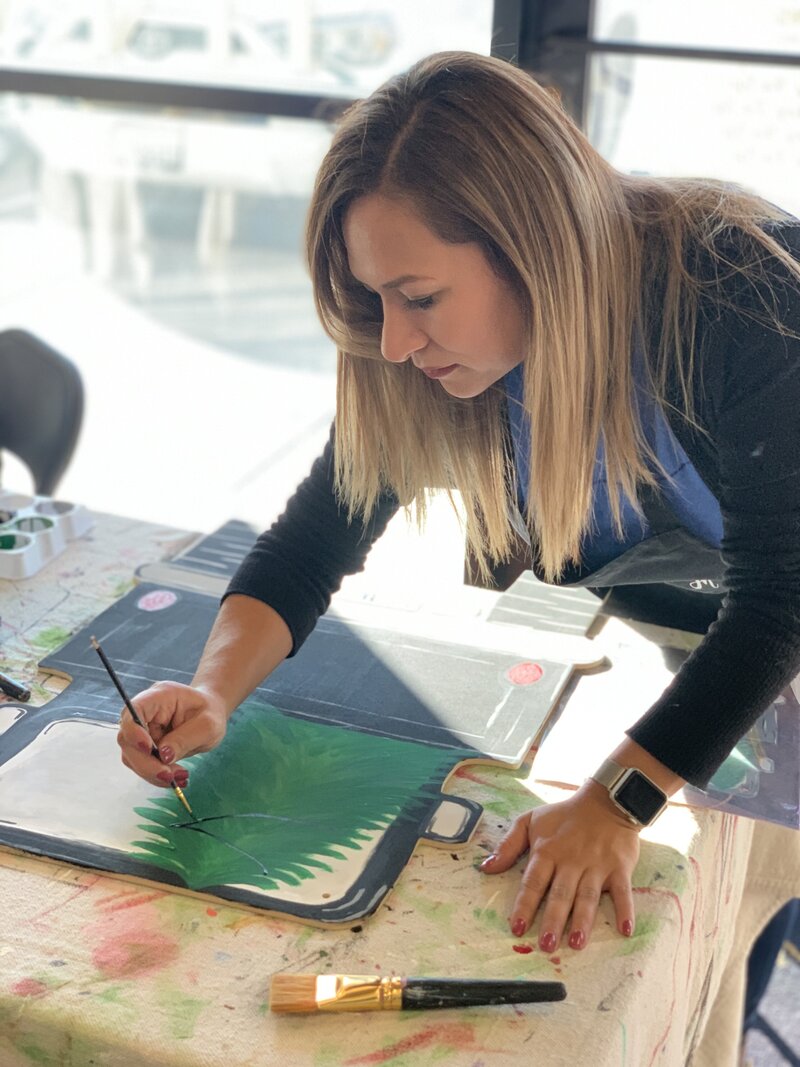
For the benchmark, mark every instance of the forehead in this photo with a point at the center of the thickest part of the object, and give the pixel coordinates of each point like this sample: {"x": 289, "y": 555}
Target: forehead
{"x": 386, "y": 238}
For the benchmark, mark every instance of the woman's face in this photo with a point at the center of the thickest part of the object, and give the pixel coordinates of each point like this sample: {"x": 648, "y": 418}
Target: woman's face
{"x": 444, "y": 308}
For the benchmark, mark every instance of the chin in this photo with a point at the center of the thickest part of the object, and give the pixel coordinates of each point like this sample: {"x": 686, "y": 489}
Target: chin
{"x": 465, "y": 390}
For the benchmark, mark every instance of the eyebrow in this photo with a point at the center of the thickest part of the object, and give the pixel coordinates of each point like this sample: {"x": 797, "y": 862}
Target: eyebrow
{"x": 395, "y": 283}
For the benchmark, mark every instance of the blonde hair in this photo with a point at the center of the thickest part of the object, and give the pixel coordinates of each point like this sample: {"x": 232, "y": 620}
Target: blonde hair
{"x": 485, "y": 154}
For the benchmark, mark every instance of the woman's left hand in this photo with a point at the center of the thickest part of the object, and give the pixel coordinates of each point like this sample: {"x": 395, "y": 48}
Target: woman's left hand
{"x": 578, "y": 848}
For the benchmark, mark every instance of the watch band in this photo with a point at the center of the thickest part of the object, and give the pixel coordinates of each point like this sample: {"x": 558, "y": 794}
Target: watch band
{"x": 614, "y": 777}
{"x": 608, "y": 773}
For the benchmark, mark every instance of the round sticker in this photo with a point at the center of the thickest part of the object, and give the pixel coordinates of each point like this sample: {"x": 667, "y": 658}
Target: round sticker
{"x": 157, "y": 600}
{"x": 524, "y": 673}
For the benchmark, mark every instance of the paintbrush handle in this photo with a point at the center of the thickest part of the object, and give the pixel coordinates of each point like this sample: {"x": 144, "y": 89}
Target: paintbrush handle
{"x": 427, "y": 993}
{"x": 153, "y": 746}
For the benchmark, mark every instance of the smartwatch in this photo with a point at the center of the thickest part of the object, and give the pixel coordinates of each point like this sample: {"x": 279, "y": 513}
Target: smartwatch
{"x": 639, "y": 799}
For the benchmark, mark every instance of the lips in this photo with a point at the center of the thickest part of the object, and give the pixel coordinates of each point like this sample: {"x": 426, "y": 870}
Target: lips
{"x": 438, "y": 372}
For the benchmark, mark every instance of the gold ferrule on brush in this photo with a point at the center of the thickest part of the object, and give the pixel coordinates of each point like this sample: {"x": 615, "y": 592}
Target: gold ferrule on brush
{"x": 354, "y": 992}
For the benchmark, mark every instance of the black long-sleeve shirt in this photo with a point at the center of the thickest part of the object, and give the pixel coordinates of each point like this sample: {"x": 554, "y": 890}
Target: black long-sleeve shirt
{"x": 746, "y": 390}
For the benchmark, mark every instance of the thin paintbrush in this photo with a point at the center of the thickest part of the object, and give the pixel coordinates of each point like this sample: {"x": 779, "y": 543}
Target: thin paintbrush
{"x": 353, "y": 992}
{"x": 154, "y": 749}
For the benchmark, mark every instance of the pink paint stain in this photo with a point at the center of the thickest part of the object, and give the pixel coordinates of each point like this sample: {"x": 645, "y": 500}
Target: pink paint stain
{"x": 212, "y": 912}
{"x": 453, "y": 1035}
{"x": 134, "y": 902}
{"x": 28, "y": 987}
{"x": 134, "y": 956}
{"x": 555, "y": 959}
{"x": 526, "y": 673}
{"x": 523, "y": 950}
{"x": 670, "y": 895}
{"x": 468, "y": 773}
{"x": 128, "y": 943}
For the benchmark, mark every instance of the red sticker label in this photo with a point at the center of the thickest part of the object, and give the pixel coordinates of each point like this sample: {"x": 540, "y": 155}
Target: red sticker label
{"x": 524, "y": 673}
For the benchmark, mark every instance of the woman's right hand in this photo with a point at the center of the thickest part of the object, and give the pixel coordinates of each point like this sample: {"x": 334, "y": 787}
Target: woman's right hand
{"x": 181, "y": 721}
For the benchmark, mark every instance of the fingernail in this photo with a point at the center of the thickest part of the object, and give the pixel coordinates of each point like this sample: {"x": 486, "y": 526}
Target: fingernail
{"x": 627, "y": 928}
{"x": 489, "y": 860}
{"x": 165, "y": 776}
{"x": 181, "y": 778}
{"x": 577, "y": 939}
{"x": 518, "y": 927}
{"x": 547, "y": 942}
{"x": 167, "y": 754}
{"x": 143, "y": 747}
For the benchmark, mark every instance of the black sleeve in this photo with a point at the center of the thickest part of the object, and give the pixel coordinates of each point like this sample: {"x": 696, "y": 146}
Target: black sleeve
{"x": 749, "y": 403}
{"x": 299, "y": 562}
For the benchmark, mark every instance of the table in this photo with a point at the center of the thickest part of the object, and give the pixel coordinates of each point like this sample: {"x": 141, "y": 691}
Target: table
{"x": 97, "y": 970}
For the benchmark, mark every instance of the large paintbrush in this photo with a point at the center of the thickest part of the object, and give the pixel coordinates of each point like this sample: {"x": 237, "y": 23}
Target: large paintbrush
{"x": 135, "y": 716}
{"x": 352, "y": 992}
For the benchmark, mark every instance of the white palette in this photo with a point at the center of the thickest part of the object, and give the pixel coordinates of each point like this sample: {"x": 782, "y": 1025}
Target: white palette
{"x": 34, "y": 530}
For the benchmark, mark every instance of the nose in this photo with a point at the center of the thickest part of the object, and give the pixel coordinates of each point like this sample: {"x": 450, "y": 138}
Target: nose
{"x": 400, "y": 339}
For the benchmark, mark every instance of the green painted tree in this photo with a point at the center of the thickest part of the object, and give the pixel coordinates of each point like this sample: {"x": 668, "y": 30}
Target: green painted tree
{"x": 283, "y": 796}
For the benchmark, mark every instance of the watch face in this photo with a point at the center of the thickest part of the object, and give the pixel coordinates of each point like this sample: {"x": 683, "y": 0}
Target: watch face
{"x": 639, "y": 796}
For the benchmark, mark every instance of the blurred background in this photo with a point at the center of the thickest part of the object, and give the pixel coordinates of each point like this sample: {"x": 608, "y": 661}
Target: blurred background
{"x": 156, "y": 159}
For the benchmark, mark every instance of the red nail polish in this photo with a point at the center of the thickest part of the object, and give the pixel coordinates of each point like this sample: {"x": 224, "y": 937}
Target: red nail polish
{"x": 165, "y": 776}
{"x": 627, "y": 928}
{"x": 577, "y": 939}
{"x": 167, "y": 754}
{"x": 518, "y": 927}
{"x": 547, "y": 942}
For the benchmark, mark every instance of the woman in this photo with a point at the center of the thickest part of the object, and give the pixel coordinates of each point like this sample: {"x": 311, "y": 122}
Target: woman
{"x": 605, "y": 364}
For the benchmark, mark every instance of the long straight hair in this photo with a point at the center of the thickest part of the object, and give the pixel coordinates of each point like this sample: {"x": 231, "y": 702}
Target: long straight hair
{"x": 483, "y": 153}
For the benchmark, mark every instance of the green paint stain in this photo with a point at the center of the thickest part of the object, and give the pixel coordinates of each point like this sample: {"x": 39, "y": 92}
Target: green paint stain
{"x": 437, "y": 911}
{"x": 507, "y": 808}
{"x": 183, "y": 1015}
{"x": 646, "y": 928}
{"x": 51, "y": 638}
{"x": 490, "y": 917}
{"x": 283, "y": 797}
{"x": 120, "y": 588}
{"x": 657, "y": 867}
{"x": 329, "y": 1056}
{"x": 35, "y": 1053}
{"x": 111, "y": 995}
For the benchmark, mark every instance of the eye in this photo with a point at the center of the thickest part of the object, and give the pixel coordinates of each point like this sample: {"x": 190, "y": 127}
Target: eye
{"x": 422, "y": 304}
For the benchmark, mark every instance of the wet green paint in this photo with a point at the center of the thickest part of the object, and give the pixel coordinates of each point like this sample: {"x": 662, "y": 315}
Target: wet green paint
{"x": 282, "y": 796}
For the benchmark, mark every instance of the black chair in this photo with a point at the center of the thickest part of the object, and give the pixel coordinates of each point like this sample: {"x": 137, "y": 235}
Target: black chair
{"x": 41, "y": 406}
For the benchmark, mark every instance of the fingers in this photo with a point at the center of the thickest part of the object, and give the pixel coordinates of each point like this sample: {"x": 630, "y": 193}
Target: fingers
{"x": 621, "y": 894}
{"x": 576, "y": 853}
{"x": 198, "y": 734}
{"x": 510, "y": 848}
{"x": 179, "y": 722}
{"x": 584, "y": 910}
{"x": 535, "y": 884}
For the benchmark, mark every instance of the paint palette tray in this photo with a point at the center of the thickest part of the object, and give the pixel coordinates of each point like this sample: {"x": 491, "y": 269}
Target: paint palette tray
{"x": 35, "y": 529}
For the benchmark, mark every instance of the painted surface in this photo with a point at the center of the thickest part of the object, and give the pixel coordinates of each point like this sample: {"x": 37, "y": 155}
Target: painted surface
{"x": 94, "y": 969}
{"x": 325, "y": 783}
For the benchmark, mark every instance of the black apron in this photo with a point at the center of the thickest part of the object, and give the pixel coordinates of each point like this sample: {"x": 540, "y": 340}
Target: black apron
{"x": 671, "y": 578}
